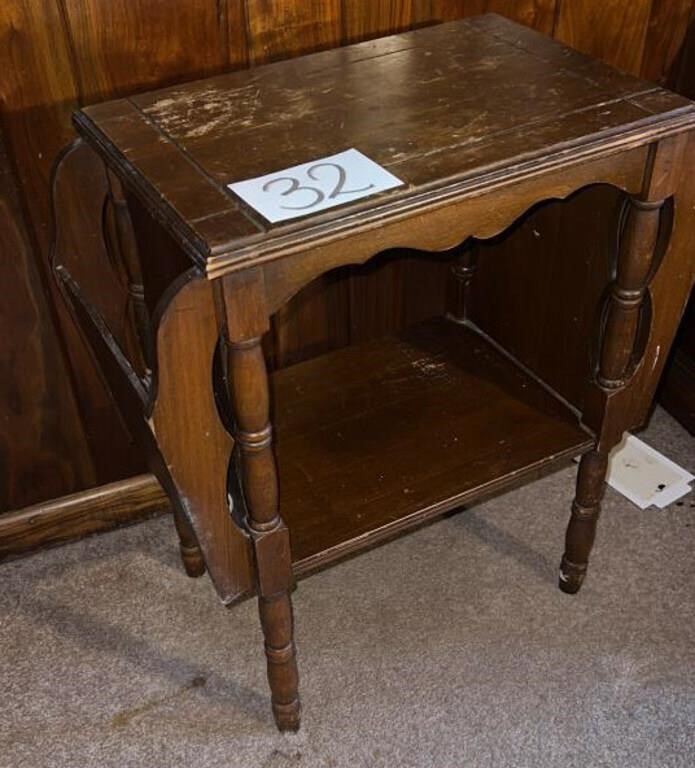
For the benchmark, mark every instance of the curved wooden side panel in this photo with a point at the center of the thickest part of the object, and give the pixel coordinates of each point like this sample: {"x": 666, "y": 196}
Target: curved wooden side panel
{"x": 190, "y": 434}
{"x": 80, "y": 191}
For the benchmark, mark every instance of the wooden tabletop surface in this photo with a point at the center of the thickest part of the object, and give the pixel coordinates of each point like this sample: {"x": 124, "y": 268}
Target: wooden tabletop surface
{"x": 449, "y": 109}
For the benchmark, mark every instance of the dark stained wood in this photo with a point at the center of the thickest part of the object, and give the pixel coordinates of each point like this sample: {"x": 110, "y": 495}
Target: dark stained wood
{"x": 42, "y": 449}
{"x": 376, "y": 438}
{"x": 395, "y": 290}
{"x": 185, "y": 405}
{"x": 677, "y": 388}
{"x": 317, "y": 321}
{"x": 121, "y": 245}
{"x": 670, "y": 285}
{"x": 375, "y": 18}
{"x": 80, "y": 218}
{"x": 481, "y": 216}
{"x": 119, "y": 47}
{"x": 666, "y": 33}
{"x": 581, "y": 530}
{"x": 225, "y": 148}
{"x": 75, "y": 516}
{"x": 246, "y": 321}
{"x": 623, "y": 313}
{"x": 39, "y": 91}
{"x": 54, "y": 54}
{"x": 548, "y": 255}
{"x": 617, "y": 357}
{"x": 278, "y": 29}
{"x": 613, "y": 30}
{"x": 539, "y": 14}
{"x": 378, "y": 296}
{"x": 282, "y": 28}
{"x": 677, "y": 391}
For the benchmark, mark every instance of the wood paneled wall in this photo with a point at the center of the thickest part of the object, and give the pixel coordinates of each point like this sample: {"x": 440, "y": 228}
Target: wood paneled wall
{"x": 59, "y": 432}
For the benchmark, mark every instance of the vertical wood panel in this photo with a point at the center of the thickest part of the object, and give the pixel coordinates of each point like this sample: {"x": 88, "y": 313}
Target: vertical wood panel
{"x": 282, "y": 28}
{"x": 37, "y": 93}
{"x": 102, "y": 47}
{"x": 666, "y": 34}
{"x": 237, "y": 38}
{"x": 539, "y": 14}
{"x": 41, "y": 453}
{"x": 124, "y": 45}
{"x": 612, "y": 30}
{"x": 422, "y": 12}
{"x": 549, "y": 274}
{"x": 363, "y": 19}
{"x": 314, "y": 322}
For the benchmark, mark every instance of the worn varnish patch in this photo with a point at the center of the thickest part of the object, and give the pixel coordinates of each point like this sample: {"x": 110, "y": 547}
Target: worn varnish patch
{"x": 473, "y": 101}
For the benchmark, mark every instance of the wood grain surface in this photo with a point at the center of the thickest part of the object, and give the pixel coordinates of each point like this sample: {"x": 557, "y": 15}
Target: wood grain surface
{"x": 42, "y": 448}
{"x": 118, "y": 47}
{"x": 538, "y": 14}
{"x": 623, "y": 29}
{"x": 57, "y": 55}
{"x": 484, "y": 125}
{"x": 80, "y": 514}
{"x": 408, "y": 427}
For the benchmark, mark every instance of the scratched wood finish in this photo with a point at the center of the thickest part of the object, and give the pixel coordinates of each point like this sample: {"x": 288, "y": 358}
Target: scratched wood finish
{"x": 378, "y": 409}
{"x": 436, "y": 68}
{"x": 64, "y": 57}
{"x": 667, "y": 30}
{"x": 440, "y": 408}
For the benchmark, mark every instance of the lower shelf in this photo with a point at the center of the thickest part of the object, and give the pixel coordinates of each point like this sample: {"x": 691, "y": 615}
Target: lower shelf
{"x": 377, "y": 438}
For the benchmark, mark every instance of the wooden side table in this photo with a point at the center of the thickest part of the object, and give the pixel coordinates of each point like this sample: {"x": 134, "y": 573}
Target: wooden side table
{"x": 481, "y": 119}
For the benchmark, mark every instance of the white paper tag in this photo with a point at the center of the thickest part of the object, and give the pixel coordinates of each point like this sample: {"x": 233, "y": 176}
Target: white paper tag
{"x": 315, "y": 186}
{"x": 645, "y": 476}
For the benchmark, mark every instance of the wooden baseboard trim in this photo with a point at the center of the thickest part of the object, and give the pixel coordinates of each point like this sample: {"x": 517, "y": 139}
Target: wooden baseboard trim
{"x": 677, "y": 390}
{"x": 80, "y": 514}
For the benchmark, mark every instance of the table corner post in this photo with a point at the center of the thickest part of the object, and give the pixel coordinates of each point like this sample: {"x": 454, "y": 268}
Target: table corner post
{"x": 242, "y": 301}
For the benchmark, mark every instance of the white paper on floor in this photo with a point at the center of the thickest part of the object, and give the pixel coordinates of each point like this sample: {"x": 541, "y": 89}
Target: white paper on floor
{"x": 645, "y": 476}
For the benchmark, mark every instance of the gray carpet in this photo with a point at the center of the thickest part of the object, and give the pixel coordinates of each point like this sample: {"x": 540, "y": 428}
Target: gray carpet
{"x": 449, "y": 647}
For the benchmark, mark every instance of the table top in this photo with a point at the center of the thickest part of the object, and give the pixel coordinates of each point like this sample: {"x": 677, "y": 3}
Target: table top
{"x": 451, "y": 110}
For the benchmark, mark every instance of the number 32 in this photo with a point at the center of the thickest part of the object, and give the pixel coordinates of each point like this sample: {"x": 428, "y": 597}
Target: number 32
{"x": 295, "y": 186}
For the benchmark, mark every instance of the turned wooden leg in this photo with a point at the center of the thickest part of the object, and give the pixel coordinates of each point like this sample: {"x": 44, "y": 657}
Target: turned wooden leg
{"x": 616, "y": 364}
{"x": 581, "y": 530}
{"x": 191, "y": 555}
{"x": 122, "y": 248}
{"x": 253, "y": 434}
{"x": 463, "y": 271}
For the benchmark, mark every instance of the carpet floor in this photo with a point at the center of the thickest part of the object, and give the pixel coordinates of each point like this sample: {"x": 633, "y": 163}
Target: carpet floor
{"x": 448, "y": 647}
